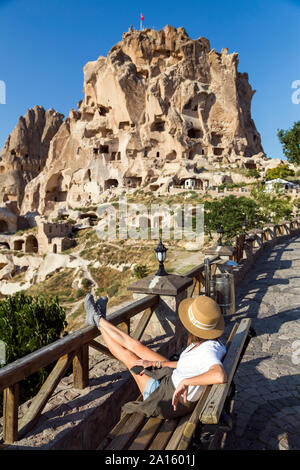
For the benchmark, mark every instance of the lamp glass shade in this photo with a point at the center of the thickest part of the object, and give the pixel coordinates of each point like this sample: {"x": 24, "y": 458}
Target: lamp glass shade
{"x": 161, "y": 256}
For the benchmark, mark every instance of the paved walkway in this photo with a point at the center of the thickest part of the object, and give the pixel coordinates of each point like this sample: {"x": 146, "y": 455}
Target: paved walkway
{"x": 267, "y": 402}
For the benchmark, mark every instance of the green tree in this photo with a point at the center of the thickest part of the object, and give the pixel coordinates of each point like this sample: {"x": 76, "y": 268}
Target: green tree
{"x": 274, "y": 204}
{"x": 230, "y": 212}
{"x": 281, "y": 171}
{"x": 297, "y": 203}
{"x": 28, "y": 324}
{"x": 290, "y": 140}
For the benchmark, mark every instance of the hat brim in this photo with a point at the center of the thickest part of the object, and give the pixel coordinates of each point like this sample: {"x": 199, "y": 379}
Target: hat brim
{"x": 205, "y": 334}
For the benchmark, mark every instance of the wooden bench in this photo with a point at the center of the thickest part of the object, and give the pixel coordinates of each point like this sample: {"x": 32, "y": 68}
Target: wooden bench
{"x": 209, "y": 420}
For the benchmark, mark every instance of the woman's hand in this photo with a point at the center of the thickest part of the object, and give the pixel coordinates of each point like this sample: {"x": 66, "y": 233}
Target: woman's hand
{"x": 145, "y": 364}
{"x": 181, "y": 389}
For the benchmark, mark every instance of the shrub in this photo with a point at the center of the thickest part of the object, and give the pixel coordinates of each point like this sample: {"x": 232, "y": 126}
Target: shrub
{"x": 28, "y": 324}
{"x": 140, "y": 271}
{"x": 252, "y": 173}
{"x": 281, "y": 171}
{"x": 111, "y": 291}
{"x": 80, "y": 293}
{"x": 86, "y": 283}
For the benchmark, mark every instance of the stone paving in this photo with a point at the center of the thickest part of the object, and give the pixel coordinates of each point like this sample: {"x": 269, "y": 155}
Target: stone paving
{"x": 267, "y": 403}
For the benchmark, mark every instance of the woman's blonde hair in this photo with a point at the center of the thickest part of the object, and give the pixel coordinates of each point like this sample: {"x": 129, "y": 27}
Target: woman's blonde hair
{"x": 194, "y": 339}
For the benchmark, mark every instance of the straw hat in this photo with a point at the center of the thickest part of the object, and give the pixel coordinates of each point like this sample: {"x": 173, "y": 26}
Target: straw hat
{"x": 202, "y": 317}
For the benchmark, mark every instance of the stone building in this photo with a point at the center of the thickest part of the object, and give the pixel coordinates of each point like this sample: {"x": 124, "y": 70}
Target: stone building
{"x": 49, "y": 237}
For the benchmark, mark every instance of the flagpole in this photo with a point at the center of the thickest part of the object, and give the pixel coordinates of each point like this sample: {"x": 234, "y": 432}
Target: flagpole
{"x": 141, "y": 21}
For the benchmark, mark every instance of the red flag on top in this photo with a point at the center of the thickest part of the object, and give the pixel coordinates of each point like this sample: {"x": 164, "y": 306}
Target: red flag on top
{"x": 142, "y": 17}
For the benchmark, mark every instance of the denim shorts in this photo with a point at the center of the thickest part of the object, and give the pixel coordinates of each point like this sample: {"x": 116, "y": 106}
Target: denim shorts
{"x": 151, "y": 385}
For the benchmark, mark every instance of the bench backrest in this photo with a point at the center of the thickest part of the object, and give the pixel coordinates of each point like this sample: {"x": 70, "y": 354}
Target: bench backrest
{"x": 211, "y": 402}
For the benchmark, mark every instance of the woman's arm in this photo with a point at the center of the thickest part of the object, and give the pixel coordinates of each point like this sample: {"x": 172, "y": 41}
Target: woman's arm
{"x": 215, "y": 375}
{"x": 141, "y": 362}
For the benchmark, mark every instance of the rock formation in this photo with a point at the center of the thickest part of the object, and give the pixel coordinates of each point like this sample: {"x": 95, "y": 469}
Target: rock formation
{"x": 159, "y": 108}
{"x": 25, "y": 152}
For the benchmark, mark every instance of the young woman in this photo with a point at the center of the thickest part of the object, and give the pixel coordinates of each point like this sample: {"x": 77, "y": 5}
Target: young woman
{"x": 169, "y": 388}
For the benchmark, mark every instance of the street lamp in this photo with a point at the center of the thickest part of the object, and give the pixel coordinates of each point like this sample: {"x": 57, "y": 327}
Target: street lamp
{"x": 220, "y": 232}
{"x": 160, "y": 253}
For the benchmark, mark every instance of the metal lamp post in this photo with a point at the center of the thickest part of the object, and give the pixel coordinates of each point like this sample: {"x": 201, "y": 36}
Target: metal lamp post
{"x": 160, "y": 253}
{"x": 220, "y": 232}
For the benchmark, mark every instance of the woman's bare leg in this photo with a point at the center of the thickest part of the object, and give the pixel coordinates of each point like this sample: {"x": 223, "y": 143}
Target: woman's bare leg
{"x": 133, "y": 345}
{"x": 126, "y": 356}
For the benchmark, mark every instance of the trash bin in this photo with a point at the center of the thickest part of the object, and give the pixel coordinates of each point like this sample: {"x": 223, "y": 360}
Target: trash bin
{"x": 222, "y": 291}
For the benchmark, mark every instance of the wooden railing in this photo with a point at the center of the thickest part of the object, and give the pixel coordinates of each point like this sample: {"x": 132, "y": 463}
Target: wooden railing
{"x": 73, "y": 350}
{"x": 67, "y": 351}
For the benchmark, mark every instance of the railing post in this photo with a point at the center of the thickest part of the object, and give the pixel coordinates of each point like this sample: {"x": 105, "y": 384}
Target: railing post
{"x": 125, "y": 326}
{"x": 81, "y": 368}
{"x": 197, "y": 289}
{"x": 10, "y": 413}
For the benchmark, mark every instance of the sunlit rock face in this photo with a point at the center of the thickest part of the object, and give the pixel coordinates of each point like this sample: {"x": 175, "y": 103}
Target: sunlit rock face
{"x": 159, "y": 107}
{"x": 25, "y": 152}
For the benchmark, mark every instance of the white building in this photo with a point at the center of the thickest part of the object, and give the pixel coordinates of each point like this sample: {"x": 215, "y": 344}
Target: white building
{"x": 282, "y": 184}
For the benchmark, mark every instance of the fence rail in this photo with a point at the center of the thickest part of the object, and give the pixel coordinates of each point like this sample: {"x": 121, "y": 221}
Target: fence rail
{"x": 73, "y": 349}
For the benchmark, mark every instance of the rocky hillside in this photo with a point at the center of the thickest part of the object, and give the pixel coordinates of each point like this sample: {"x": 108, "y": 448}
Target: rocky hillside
{"x": 25, "y": 151}
{"x": 160, "y": 107}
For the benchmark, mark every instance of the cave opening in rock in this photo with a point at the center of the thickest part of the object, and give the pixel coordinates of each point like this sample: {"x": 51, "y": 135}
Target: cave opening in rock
{"x": 104, "y": 149}
{"x": 31, "y": 244}
{"x": 218, "y": 151}
{"x": 18, "y": 245}
{"x": 158, "y": 126}
{"x": 4, "y": 246}
{"x": 124, "y": 125}
{"x": 194, "y": 133}
{"x": 3, "y": 226}
{"x": 171, "y": 156}
{"x": 111, "y": 183}
{"x": 103, "y": 110}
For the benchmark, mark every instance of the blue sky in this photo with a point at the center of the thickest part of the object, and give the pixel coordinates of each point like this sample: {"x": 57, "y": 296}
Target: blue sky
{"x": 44, "y": 45}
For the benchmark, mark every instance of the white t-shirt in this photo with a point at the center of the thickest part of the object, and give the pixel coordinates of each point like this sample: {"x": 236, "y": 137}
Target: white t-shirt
{"x": 193, "y": 362}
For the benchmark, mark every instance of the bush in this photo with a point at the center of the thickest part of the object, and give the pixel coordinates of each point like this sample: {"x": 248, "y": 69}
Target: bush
{"x": 297, "y": 203}
{"x": 80, "y": 293}
{"x": 28, "y": 324}
{"x": 252, "y": 173}
{"x": 140, "y": 271}
{"x": 281, "y": 171}
{"x": 86, "y": 283}
{"x": 111, "y": 291}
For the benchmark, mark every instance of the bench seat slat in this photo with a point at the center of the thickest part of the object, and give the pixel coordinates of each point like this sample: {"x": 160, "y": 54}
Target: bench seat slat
{"x": 125, "y": 434}
{"x": 215, "y": 402}
{"x": 163, "y": 436}
{"x": 173, "y": 442}
{"x": 107, "y": 440}
{"x": 146, "y": 434}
